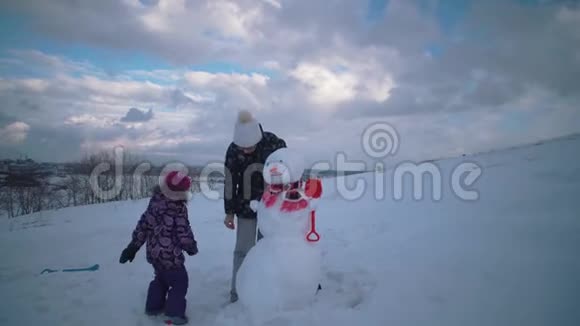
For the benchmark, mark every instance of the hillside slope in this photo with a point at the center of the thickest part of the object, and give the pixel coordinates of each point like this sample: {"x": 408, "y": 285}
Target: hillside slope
{"x": 509, "y": 258}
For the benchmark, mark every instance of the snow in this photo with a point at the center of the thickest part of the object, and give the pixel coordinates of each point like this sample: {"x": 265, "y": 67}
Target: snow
{"x": 278, "y": 274}
{"x": 508, "y": 258}
{"x": 283, "y": 270}
{"x": 283, "y": 166}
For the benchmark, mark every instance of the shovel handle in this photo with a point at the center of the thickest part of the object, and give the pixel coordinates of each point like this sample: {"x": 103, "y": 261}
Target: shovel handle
{"x": 313, "y": 236}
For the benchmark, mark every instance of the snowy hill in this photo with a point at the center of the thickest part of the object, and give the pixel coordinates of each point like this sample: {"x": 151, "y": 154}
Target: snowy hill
{"x": 508, "y": 258}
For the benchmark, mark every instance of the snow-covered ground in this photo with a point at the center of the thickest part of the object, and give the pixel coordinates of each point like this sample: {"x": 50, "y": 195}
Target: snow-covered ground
{"x": 509, "y": 258}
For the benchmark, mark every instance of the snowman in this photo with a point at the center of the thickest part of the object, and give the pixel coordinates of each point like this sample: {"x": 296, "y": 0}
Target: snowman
{"x": 281, "y": 273}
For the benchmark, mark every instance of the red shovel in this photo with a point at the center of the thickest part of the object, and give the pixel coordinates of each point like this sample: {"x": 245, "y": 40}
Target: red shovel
{"x": 313, "y": 189}
{"x": 313, "y": 236}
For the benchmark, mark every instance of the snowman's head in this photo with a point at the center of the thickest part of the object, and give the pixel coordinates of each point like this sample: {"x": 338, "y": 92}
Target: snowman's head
{"x": 283, "y": 166}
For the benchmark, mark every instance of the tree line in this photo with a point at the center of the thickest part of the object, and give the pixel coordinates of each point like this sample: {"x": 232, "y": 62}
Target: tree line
{"x": 33, "y": 191}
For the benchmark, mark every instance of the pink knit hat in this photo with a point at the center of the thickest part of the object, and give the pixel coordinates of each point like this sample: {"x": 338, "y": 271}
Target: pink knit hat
{"x": 177, "y": 181}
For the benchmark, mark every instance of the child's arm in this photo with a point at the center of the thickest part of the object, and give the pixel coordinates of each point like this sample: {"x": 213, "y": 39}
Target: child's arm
{"x": 139, "y": 235}
{"x": 184, "y": 232}
{"x": 142, "y": 229}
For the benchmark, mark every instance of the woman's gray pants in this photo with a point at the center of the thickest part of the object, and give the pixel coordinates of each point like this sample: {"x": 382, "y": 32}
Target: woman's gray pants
{"x": 247, "y": 235}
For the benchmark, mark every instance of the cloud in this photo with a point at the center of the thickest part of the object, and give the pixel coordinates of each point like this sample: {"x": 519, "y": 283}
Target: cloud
{"x": 45, "y": 143}
{"x": 157, "y": 141}
{"x": 231, "y": 20}
{"x": 35, "y": 85}
{"x": 326, "y": 86}
{"x": 181, "y": 31}
{"x": 89, "y": 120}
{"x": 271, "y": 64}
{"x": 155, "y": 75}
{"x": 136, "y": 115}
{"x": 333, "y": 86}
{"x": 274, "y": 3}
{"x": 450, "y": 87}
{"x": 149, "y": 2}
{"x": 91, "y": 112}
{"x": 202, "y": 78}
{"x": 14, "y": 133}
{"x": 232, "y": 91}
{"x": 40, "y": 63}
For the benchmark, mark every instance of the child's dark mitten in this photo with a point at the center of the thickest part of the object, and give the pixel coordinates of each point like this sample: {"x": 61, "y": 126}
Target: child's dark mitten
{"x": 128, "y": 254}
{"x": 194, "y": 249}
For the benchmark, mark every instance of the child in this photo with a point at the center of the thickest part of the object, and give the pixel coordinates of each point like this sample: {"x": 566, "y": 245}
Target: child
{"x": 166, "y": 229}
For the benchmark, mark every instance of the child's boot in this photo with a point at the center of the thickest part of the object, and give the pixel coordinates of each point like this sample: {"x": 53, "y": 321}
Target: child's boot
{"x": 177, "y": 320}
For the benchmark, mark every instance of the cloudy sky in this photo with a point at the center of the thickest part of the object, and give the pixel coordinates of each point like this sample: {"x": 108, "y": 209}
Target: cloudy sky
{"x": 166, "y": 78}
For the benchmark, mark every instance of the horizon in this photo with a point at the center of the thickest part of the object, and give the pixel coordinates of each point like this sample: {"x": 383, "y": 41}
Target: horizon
{"x": 431, "y": 160}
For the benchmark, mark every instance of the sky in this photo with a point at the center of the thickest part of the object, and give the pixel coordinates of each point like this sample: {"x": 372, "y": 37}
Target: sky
{"x": 165, "y": 79}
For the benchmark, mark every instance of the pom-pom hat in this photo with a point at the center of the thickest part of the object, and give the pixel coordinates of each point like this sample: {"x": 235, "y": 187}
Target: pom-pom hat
{"x": 177, "y": 181}
{"x": 176, "y": 185}
{"x": 247, "y": 131}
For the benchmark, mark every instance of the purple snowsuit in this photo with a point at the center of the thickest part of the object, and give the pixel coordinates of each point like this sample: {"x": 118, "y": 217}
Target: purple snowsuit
{"x": 165, "y": 227}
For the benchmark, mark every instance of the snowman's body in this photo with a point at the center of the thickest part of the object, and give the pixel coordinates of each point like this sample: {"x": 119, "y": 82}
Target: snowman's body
{"x": 282, "y": 271}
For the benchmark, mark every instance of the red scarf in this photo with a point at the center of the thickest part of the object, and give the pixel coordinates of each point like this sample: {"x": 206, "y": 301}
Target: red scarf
{"x": 295, "y": 200}
{"x": 292, "y": 201}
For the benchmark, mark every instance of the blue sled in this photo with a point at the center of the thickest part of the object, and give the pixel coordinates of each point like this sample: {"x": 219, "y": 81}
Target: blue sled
{"x": 48, "y": 270}
{"x": 93, "y": 268}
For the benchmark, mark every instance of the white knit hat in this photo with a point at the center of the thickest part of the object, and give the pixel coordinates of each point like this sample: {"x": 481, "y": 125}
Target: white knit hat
{"x": 247, "y": 132}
